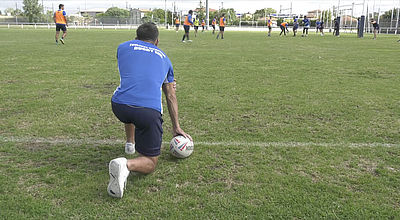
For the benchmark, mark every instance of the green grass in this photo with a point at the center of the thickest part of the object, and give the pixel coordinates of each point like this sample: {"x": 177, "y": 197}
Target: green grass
{"x": 336, "y": 99}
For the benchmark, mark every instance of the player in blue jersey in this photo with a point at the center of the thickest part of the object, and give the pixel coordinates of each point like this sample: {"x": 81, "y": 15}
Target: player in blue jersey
{"x": 321, "y": 27}
{"x": 317, "y": 24}
{"x": 186, "y": 25}
{"x": 144, "y": 70}
{"x": 295, "y": 26}
{"x": 307, "y": 24}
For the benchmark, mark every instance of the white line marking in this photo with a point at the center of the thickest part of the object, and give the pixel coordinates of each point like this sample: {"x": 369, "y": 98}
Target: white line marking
{"x": 223, "y": 143}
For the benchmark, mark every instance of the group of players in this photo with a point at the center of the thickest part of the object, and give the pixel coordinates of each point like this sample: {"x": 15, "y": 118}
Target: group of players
{"x": 61, "y": 23}
{"x": 190, "y": 21}
{"x": 306, "y": 23}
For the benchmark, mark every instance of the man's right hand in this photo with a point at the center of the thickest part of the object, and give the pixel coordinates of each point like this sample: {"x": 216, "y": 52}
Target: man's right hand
{"x": 179, "y": 131}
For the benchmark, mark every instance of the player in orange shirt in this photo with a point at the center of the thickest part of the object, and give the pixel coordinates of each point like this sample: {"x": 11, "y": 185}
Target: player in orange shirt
{"x": 269, "y": 24}
{"x": 61, "y": 23}
{"x": 284, "y": 28}
{"x": 177, "y": 23}
{"x": 221, "y": 26}
{"x": 186, "y": 25}
{"x": 214, "y": 22}
{"x": 203, "y": 24}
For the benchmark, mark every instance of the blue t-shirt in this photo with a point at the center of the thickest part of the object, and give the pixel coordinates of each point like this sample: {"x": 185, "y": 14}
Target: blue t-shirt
{"x": 306, "y": 22}
{"x": 143, "y": 69}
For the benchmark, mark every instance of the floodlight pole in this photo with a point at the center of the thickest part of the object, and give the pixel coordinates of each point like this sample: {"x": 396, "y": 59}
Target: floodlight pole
{"x": 397, "y": 23}
{"x": 16, "y": 10}
{"x": 165, "y": 14}
{"x": 379, "y": 14}
{"x": 391, "y": 19}
{"x": 351, "y": 19}
{"x": 207, "y": 15}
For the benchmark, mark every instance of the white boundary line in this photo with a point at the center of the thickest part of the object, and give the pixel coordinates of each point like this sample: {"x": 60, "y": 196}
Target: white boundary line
{"x": 55, "y": 141}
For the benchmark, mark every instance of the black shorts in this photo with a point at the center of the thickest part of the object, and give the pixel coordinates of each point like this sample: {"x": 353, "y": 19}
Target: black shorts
{"x": 187, "y": 28}
{"x": 177, "y": 25}
{"x": 213, "y": 26}
{"x": 269, "y": 27}
{"x": 148, "y": 127}
{"x": 221, "y": 28}
{"x": 196, "y": 27}
{"x": 62, "y": 27}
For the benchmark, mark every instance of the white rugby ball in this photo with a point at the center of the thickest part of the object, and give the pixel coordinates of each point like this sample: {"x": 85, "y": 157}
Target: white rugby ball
{"x": 181, "y": 147}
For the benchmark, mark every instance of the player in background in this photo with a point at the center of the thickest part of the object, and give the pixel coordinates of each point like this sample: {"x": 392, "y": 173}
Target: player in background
{"x": 177, "y": 23}
{"x": 269, "y": 24}
{"x": 213, "y": 23}
{"x": 145, "y": 72}
{"x": 60, "y": 20}
{"x": 321, "y": 27}
{"x": 196, "y": 23}
{"x": 317, "y": 24}
{"x": 283, "y": 26}
{"x": 295, "y": 26}
{"x": 376, "y": 27}
{"x": 203, "y": 25}
{"x": 186, "y": 25}
{"x": 221, "y": 26}
{"x": 306, "y": 23}
{"x": 336, "y": 28}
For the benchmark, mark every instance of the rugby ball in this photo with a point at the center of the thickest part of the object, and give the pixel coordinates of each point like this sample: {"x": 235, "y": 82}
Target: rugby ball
{"x": 181, "y": 147}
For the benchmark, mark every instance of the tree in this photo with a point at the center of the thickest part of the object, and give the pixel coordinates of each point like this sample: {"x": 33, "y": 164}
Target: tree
{"x": 158, "y": 15}
{"x": 115, "y": 12}
{"x": 388, "y": 14}
{"x": 32, "y": 10}
{"x": 13, "y": 12}
{"x": 264, "y": 12}
{"x": 230, "y": 15}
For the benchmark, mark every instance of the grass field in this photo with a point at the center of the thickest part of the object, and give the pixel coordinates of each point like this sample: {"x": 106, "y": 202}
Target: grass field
{"x": 284, "y": 127}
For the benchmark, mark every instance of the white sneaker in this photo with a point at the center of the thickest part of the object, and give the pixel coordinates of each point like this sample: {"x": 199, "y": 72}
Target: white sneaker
{"x": 118, "y": 176}
{"x": 183, "y": 41}
{"x": 129, "y": 148}
{"x": 190, "y": 41}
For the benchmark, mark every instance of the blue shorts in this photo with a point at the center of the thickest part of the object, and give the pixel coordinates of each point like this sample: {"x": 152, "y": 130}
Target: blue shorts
{"x": 62, "y": 27}
{"x": 148, "y": 127}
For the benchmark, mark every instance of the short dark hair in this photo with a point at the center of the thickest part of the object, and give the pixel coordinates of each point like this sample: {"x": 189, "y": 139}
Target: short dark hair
{"x": 147, "y": 32}
{"x": 60, "y": 6}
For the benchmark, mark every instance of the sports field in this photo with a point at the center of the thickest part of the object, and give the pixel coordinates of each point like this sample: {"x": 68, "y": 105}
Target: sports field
{"x": 284, "y": 127}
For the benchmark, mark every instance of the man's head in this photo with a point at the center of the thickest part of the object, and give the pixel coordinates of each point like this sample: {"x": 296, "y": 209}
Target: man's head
{"x": 61, "y": 6}
{"x": 305, "y": 17}
{"x": 223, "y": 15}
{"x": 148, "y": 32}
{"x": 190, "y": 12}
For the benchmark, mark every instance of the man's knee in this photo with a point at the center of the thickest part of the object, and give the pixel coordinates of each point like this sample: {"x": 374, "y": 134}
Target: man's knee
{"x": 151, "y": 164}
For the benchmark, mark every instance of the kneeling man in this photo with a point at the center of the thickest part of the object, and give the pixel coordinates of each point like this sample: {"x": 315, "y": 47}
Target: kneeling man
{"x": 144, "y": 70}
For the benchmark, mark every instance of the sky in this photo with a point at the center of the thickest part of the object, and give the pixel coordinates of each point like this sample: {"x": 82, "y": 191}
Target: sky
{"x": 241, "y": 6}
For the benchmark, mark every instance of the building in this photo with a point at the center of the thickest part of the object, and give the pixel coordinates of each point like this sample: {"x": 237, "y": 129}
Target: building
{"x": 314, "y": 14}
{"x": 92, "y": 12}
